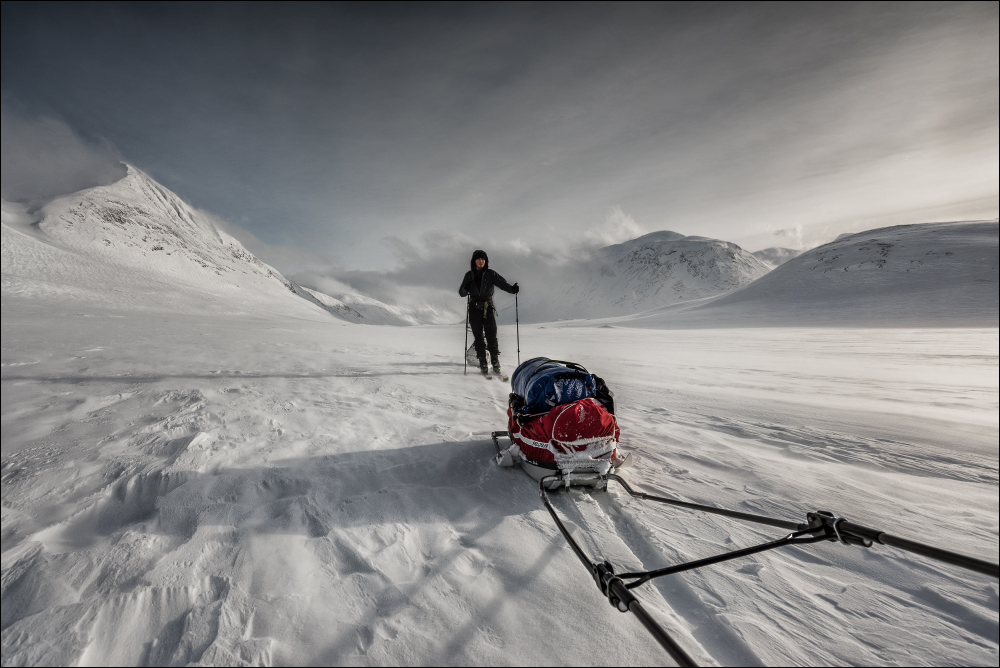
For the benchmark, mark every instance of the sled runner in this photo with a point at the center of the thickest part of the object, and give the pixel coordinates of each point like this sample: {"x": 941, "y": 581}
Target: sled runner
{"x": 582, "y": 473}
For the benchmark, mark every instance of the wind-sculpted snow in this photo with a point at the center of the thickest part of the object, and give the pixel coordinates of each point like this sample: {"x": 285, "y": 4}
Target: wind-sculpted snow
{"x": 224, "y": 489}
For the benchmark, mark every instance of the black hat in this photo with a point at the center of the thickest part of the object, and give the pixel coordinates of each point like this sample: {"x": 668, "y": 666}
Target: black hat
{"x": 475, "y": 256}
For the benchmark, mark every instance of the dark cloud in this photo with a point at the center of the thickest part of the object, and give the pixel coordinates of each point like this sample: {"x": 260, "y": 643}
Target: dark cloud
{"x": 332, "y": 127}
{"x": 42, "y": 157}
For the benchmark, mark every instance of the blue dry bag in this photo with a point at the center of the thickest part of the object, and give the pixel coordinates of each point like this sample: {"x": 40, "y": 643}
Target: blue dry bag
{"x": 542, "y": 383}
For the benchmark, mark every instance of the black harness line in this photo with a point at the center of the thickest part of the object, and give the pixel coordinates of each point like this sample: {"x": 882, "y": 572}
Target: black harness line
{"x": 834, "y": 528}
{"x": 820, "y": 526}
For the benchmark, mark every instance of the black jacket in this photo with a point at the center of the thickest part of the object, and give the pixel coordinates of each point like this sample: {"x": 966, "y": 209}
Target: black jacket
{"x": 478, "y": 285}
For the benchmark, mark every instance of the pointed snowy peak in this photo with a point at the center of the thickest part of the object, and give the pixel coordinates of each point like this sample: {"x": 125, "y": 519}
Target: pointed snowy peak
{"x": 137, "y": 222}
{"x": 135, "y": 244}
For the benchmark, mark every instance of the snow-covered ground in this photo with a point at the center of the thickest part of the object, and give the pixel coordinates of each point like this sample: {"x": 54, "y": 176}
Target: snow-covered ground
{"x": 265, "y": 489}
{"x": 200, "y": 465}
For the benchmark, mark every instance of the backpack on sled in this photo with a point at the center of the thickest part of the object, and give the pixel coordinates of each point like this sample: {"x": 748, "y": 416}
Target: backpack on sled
{"x": 541, "y": 383}
{"x": 560, "y": 420}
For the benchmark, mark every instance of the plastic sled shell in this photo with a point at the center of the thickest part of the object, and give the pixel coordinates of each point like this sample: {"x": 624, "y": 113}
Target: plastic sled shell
{"x": 584, "y": 474}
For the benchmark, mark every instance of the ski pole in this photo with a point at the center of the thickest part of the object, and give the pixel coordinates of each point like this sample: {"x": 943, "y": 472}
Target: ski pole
{"x": 517, "y": 326}
{"x": 465, "y": 351}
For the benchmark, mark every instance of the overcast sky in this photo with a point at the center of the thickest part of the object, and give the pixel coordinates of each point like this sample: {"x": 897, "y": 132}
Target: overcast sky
{"x": 356, "y": 134}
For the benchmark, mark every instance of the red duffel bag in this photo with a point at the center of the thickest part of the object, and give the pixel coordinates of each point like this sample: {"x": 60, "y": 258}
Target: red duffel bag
{"x": 570, "y": 433}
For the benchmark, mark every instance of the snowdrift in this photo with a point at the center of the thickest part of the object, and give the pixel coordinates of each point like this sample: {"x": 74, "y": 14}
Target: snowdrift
{"x": 270, "y": 494}
{"x": 930, "y": 275}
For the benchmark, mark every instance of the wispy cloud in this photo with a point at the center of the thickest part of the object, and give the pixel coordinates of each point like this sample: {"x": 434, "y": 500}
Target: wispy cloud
{"x": 332, "y": 127}
{"x": 789, "y": 237}
{"x": 617, "y": 227}
{"x": 43, "y": 157}
{"x": 429, "y": 270}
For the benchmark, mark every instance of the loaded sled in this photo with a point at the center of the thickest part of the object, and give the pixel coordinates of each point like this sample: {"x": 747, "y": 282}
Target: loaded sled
{"x": 561, "y": 425}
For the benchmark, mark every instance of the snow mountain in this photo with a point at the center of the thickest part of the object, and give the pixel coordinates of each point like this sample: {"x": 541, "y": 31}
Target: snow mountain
{"x": 928, "y": 275}
{"x": 654, "y": 270}
{"x": 135, "y": 244}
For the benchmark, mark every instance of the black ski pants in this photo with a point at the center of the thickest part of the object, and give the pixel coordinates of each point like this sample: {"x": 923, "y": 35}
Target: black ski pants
{"x": 483, "y": 321}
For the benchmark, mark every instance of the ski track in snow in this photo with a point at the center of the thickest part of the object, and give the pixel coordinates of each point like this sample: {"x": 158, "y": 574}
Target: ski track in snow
{"x": 236, "y": 489}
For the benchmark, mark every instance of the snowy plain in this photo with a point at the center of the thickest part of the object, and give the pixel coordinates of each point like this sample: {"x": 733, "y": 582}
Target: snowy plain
{"x": 229, "y": 489}
{"x": 200, "y": 466}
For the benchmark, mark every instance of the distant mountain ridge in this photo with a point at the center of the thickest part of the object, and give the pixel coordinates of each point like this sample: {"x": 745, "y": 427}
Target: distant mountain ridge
{"x": 135, "y": 244}
{"x": 933, "y": 274}
{"x": 652, "y": 271}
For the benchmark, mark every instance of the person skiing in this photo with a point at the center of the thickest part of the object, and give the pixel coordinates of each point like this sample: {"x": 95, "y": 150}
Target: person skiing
{"x": 478, "y": 286}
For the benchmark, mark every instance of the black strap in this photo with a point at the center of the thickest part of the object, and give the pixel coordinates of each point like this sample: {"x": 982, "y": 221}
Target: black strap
{"x": 571, "y": 365}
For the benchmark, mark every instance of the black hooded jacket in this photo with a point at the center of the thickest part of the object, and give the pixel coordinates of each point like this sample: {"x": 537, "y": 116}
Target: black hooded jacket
{"x": 478, "y": 284}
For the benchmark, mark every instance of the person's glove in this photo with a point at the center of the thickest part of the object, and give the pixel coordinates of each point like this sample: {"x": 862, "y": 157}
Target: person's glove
{"x": 515, "y": 289}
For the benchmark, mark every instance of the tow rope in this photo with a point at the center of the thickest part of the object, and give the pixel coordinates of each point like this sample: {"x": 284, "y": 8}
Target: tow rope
{"x": 820, "y": 526}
